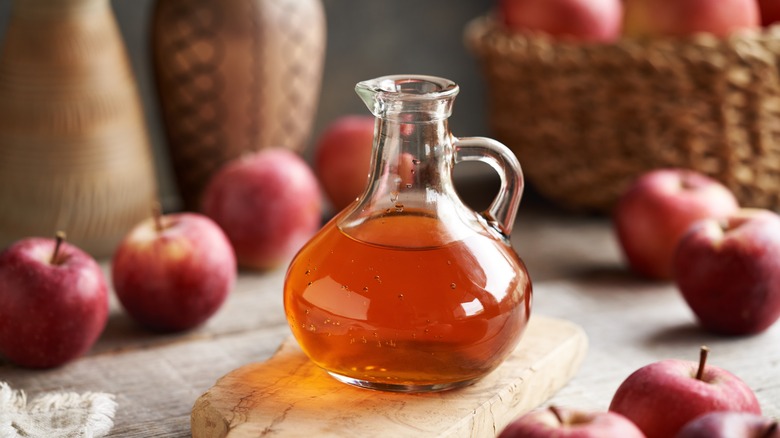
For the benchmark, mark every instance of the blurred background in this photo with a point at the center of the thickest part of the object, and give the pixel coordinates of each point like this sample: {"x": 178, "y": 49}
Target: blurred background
{"x": 364, "y": 40}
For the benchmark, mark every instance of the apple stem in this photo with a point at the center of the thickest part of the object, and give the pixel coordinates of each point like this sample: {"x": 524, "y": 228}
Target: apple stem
{"x": 703, "y": 352}
{"x": 770, "y": 430}
{"x": 557, "y": 413}
{"x": 157, "y": 215}
{"x": 59, "y": 238}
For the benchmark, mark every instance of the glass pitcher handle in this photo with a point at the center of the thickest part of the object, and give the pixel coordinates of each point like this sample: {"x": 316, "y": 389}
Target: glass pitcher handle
{"x": 502, "y": 211}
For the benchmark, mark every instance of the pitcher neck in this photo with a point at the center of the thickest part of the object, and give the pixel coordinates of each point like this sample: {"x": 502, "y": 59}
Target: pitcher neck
{"x": 412, "y": 141}
{"x": 409, "y": 158}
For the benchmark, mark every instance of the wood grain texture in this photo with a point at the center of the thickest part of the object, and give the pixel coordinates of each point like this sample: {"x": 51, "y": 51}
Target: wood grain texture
{"x": 157, "y": 377}
{"x": 579, "y": 277}
{"x": 290, "y": 396}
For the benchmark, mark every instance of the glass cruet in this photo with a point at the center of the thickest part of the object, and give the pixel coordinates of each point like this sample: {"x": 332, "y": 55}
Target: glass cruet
{"x": 408, "y": 289}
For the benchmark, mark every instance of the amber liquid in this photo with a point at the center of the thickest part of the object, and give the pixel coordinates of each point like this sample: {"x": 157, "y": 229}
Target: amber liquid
{"x": 430, "y": 316}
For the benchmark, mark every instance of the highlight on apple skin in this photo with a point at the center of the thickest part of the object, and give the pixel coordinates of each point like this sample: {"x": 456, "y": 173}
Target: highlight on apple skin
{"x": 663, "y": 396}
{"x": 658, "y": 208}
{"x": 586, "y": 21}
{"x": 342, "y": 158}
{"x": 173, "y": 272}
{"x": 563, "y": 422}
{"x": 268, "y": 203}
{"x": 53, "y": 302}
{"x": 728, "y": 271}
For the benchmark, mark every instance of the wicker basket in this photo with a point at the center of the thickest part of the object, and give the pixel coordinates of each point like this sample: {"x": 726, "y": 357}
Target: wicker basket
{"x": 586, "y": 119}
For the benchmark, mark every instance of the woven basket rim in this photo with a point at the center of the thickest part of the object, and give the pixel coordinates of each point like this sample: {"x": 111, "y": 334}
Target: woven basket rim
{"x": 484, "y": 33}
{"x": 702, "y": 102}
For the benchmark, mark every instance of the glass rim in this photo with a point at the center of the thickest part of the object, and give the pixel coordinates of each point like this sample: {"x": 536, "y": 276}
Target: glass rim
{"x": 410, "y": 86}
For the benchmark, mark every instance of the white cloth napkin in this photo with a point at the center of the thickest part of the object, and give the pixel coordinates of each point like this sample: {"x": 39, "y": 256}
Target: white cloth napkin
{"x": 55, "y": 414}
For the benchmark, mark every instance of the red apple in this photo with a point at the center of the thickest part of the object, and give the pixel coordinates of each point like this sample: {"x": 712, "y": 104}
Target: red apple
{"x": 663, "y": 396}
{"x": 574, "y": 20}
{"x": 677, "y": 18}
{"x": 728, "y": 271}
{"x": 53, "y": 302}
{"x": 268, "y": 203}
{"x": 570, "y": 423}
{"x": 173, "y": 272}
{"x": 657, "y": 209}
{"x": 769, "y": 11}
{"x": 342, "y": 158}
{"x": 727, "y": 424}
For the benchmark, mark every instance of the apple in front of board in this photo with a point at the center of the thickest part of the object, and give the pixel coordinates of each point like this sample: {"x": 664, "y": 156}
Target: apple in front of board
{"x": 53, "y": 302}
{"x": 728, "y": 271}
{"x": 729, "y": 424}
{"x": 662, "y": 397}
{"x": 658, "y": 208}
{"x": 572, "y": 20}
{"x": 680, "y": 18}
{"x": 268, "y": 203}
{"x": 173, "y": 272}
{"x": 561, "y": 422}
{"x": 342, "y": 157}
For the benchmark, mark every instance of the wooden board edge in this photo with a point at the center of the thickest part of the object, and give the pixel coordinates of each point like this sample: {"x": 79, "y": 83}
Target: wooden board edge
{"x": 488, "y": 419}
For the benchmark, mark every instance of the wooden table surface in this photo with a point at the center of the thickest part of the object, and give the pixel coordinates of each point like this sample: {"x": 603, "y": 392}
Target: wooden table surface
{"x": 578, "y": 275}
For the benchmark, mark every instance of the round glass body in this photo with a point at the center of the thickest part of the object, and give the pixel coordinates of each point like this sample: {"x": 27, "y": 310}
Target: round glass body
{"x": 408, "y": 289}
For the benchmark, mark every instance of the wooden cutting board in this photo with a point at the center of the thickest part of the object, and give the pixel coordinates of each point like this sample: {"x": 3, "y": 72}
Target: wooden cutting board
{"x": 289, "y": 396}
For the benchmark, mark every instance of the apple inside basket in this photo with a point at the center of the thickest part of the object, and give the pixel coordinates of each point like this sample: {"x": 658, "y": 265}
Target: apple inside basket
{"x": 586, "y": 119}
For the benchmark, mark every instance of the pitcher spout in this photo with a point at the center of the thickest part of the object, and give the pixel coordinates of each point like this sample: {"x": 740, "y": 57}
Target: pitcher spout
{"x": 427, "y": 97}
